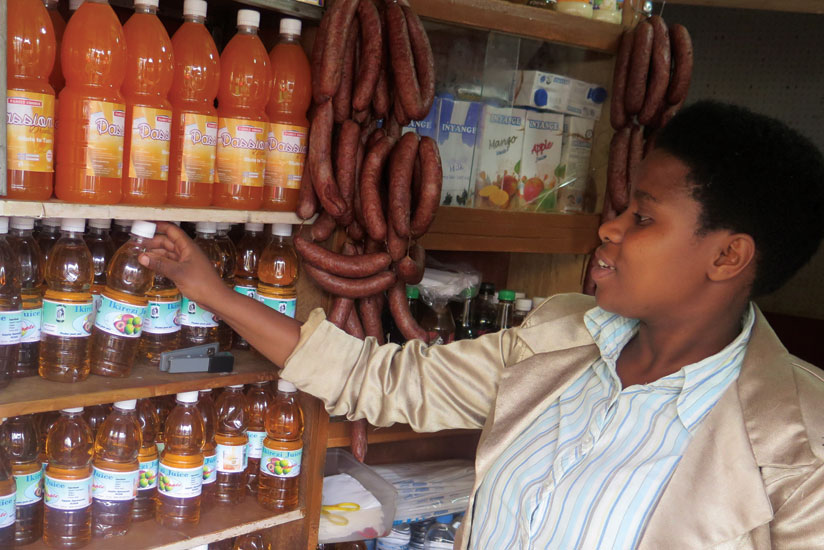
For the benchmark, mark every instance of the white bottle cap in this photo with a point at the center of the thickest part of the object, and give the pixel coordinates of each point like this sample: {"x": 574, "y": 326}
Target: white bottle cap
{"x": 18, "y": 222}
{"x": 251, "y": 226}
{"x": 236, "y": 386}
{"x": 73, "y": 224}
{"x": 123, "y": 223}
{"x": 224, "y": 226}
{"x": 74, "y": 4}
{"x": 206, "y": 227}
{"x": 100, "y": 223}
{"x": 523, "y": 304}
{"x": 519, "y": 295}
{"x": 128, "y": 405}
{"x": 51, "y": 222}
{"x": 282, "y": 229}
{"x": 143, "y": 229}
{"x": 187, "y": 397}
{"x": 285, "y": 385}
{"x": 4, "y": 225}
{"x": 150, "y": 3}
{"x": 206, "y": 391}
{"x": 195, "y": 7}
{"x": 290, "y": 26}
{"x": 73, "y": 410}
{"x": 248, "y": 18}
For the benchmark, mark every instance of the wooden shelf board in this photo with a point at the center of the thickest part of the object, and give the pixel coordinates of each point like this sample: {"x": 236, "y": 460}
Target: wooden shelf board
{"x": 33, "y": 394}
{"x": 291, "y": 8}
{"x": 457, "y": 228}
{"x": 798, "y": 6}
{"x": 339, "y": 434}
{"x": 60, "y": 209}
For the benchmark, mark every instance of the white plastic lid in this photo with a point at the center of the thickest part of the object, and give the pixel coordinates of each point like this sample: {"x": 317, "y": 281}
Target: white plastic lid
{"x": 206, "y": 227}
{"x": 248, "y": 18}
{"x": 223, "y": 226}
{"x": 206, "y": 391}
{"x": 128, "y": 405}
{"x": 123, "y": 223}
{"x": 4, "y": 225}
{"x": 252, "y": 226}
{"x": 285, "y": 385}
{"x": 187, "y": 397}
{"x": 520, "y": 295}
{"x": 74, "y": 4}
{"x": 143, "y": 229}
{"x": 290, "y": 26}
{"x": 51, "y": 222}
{"x": 73, "y": 410}
{"x": 100, "y": 223}
{"x": 195, "y": 7}
{"x": 282, "y": 229}
{"x": 236, "y": 386}
{"x": 18, "y": 222}
{"x": 150, "y": 3}
{"x": 523, "y": 304}
{"x": 73, "y": 224}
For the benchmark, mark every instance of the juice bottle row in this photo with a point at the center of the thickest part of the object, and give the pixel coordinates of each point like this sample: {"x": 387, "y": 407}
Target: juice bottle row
{"x": 79, "y": 473}
{"x": 136, "y": 121}
{"x": 72, "y": 303}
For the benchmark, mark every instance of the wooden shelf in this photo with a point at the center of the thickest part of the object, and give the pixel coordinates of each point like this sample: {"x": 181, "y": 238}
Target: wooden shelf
{"x": 60, "y": 209}
{"x": 476, "y": 229}
{"x": 339, "y": 434}
{"x": 291, "y": 8}
{"x": 33, "y": 394}
{"x": 798, "y": 6}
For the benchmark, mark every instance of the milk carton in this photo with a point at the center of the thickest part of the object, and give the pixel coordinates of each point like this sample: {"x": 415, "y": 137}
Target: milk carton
{"x": 498, "y": 157}
{"x": 541, "y": 161}
{"x": 575, "y": 156}
{"x": 554, "y": 92}
{"x": 457, "y": 129}
{"x": 427, "y": 127}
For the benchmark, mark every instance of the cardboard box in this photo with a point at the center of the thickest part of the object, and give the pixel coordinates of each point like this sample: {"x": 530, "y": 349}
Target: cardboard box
{"x": 554, "y": 92}
{"x": 428, "y": 126}
{"x": 541, "y": 161}
{"x": 575, "y": 158}
{"x": 457, "y": 131}
{"x": 498, "y": 157}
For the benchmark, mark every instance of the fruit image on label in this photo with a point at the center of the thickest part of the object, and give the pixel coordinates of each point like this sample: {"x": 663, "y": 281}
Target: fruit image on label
{"x": 281, "y": 463}
{"x": 192, "y": 315}
{"x": 7, "y": 511}
{"x": 68, "y": 494}
{"x": 30, "y": 131}
{"x": 30, "y": 327}
{"x": 151, "y": 135}
{"x": 286, "y": 153}
{"x": 120, "y": 318}
{"x": 108, "y": 485}
{"x": 10, "y": 327}
{"x": 287, "y": 307}
{"x": 209, "y": 469}
{"x": 179, "y": 482}
{"x": 162, "y": 317}
{"x": 29, "y": 488}
{"x": 199, "y": 148}
{"x": 147, "y": 477}
{"x": 241, "y": 152}
{"x": 104, "y": 134}
{"x": 67, "y": 319}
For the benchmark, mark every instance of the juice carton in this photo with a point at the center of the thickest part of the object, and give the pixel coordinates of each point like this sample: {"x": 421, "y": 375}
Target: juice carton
{"x": 559, "y": 93}
{"x": 457, "y": 130}
{"x": 575, "y": 156}
{"x": 540, "y": 161}
{"x": 498, "y": 157}
{"x": 428, "y": 126}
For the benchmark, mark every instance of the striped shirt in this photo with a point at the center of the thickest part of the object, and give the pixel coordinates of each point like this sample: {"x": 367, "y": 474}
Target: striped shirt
{"x": 588, "y": 471}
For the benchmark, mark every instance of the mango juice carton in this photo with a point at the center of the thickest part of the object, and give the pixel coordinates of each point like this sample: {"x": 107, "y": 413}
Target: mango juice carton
{"x": 457, "y": 130}
{"x": 548, "y": 91}
{"x": 575, "y": 156}
{"x": 498, "y": 157}
{"x": 541, "y": 161}
{"x": 428, "y": 126}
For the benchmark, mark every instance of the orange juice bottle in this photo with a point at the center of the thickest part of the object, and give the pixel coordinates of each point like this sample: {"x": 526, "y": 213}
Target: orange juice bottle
{"x": 288, "y": 125}
{"x": 245, "y": 83}
{"x": 230, "y": 436}
{"x": 20, "y": 439}
{"x": 144, "y": 504}
{"x": 194, "y": 117}
{"x": 8, "y": 491}
{"x": 208, "y": 414}
{"x": 56, "y": 78}
{"x": 30, "y": 47}
{"x": 102, "y": 247}
{"x": 282, "y": 451}
{"x": 149, "y": 69}
{"x": 260, "y": 399}
{"x": 91, "y": 112}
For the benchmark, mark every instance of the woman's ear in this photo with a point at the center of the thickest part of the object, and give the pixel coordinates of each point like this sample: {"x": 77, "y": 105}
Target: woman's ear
{"x": 736, "y": 255}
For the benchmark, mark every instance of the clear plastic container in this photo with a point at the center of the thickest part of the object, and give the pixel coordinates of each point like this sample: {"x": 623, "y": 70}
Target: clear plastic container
{"x": 144, "y": 503}
{"x": 20, "y": 268}
{"x": 45, "y": 421}
{"x": 228, "y": 259}
{"x": 278, "y": 272}
{"x": 280, "y": 461}
{"x": 19, "y": 435}
{"x": 198, "y": 326}
{"x": 8, "y": 490}
{"x": 230, "y": 436}
{"x": 161, "y": 328}
{"x": 102, "y": 247}
{"x": 208, "y": 414}
{"x": 249, "y": 250}
{"x": 95, "y": 415}
{"x": 121, "y": 232}
{"x": 505, "y": 309}
{"x": 47, "y": 235}
{"x": 522, "y": 308}
{"x": 483, "y": 309}
{"x": 259, "y": 399}
{"x": 464, "y": 328}
{"x": 439, "y": 324}
{"x": 440, "y": 535}
{"x": 251, "y": 541}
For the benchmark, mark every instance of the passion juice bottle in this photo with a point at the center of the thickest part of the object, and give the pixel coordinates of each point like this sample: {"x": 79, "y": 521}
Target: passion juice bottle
{"x": 260, "y": 400}
{"x": 208, "y": 414}
{"x": 102, "y": 248}
{"x": 11, "y": 307}
{"x": 149, "y": 73}
{"x": 194, "y": 117}
{"x": 288, "y": 125}
{"x": 119, "y": 323}
{"x": 31, "y": 291}
{"x": 278, "y": 272}
{"x": 245, "y": 84}
{"x": 30, "y": 47}
{"x": 249, "y": 249}
{"x": 91, "y": 111}
{"x": 144, "y": 504}
{"x": 228, "y": 257}
{"x": 230, "y": 436}
{"x": 282, "y": 451}
{"x": 56, "y": 78}
{"x": 161, "y": 328}
{"x": 199, "y": 326}
{"x": 8, "y": 492}
{"x": 20, "y": 439}
{"x": 67, "y": 307}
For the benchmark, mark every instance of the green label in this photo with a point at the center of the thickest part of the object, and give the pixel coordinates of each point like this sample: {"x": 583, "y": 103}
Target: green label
{"x": 120, "y": 318}
{"x": 209, "y": 469}
{"x": 162, "y": 317}
{"x": 248, "y": 291}
{"x": 286, "y": 307}
{"x": 10, "y": 327}
{"x": 192, "y": 315}
{"x": 30, "y": 330}
{"x": 67, "y": 319}
{"x": 29, "y": 488}
{"x": 179, "y": 482}
{"x": 280, "y": 463}
{"x": 118, "y": 486}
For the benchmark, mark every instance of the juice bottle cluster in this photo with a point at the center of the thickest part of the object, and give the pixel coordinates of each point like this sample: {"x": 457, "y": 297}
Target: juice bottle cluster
{"x": 101, "y": 113}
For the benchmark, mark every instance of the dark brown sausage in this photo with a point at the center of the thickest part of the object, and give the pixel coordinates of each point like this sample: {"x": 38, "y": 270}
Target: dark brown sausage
{"x": 355, "y": 231}
{"x": 424, "y": 60}
{"x": 380, "y": 101}
{"x": 370, "y": 55}
{"x": 399, "y": 114}
{"x": 417, "y": 181}
{"x": 617, "y": 110}
{"x": 432, "y": 180}
{"x": 320, "y": 161}
{"x": 346, "y": 158}
{"x": 341, "y": 309}
{"x": 340, "y": 264}
{"x": 307, "y": 200}
{"x": 350, "y": 288}
{"x": 410, "y": 268}
{"x": 638, "y": 67}
{"x": 353, "y": 325}
{"x": 682, "y": 64}
{"x": 323, "y": 227}
{"x": 659, "y": 73}
{"x": 403, "y": 62}
{"x": 635, "y": 154}
{"x": 401, "y": 166}
{"x": 370, "y": 181}
{"x": 399, "y": 307}
{"x": 342, "y": 100}
{"x": 358, "y": 444}
{"x": 369, "y": 309}
{"x": 340, "y": 17}
{"x": 373, "y": 246}
{"x": 617, "y": 169}
{"x": 396, "y": 246}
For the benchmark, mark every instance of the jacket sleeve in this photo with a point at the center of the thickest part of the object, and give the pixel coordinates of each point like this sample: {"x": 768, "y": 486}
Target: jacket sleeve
{"x": 799, "y": 522}
{"x": 430, "y": 388}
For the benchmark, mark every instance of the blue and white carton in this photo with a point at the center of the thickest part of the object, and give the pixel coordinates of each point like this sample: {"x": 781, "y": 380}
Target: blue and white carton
{"x": 427, "y": 127}
{"x": 457, "y": 131}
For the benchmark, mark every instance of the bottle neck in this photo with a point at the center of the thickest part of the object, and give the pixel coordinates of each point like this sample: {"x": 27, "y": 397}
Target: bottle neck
{"x": 191, "y": 18}
{"x": 143, "y": 8}
{"x": 20, "y": 232}
{"x": 244, "y": 29}
{"x": 286, "y": 38}
{"x": 71, "y": 234}
{"x": 466, "y": 313}
{"x": 208, "y": 236}
{"x": 96, "y": 232}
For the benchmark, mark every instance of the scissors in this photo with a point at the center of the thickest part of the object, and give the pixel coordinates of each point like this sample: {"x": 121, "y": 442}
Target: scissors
{"x": 338, "y": 519}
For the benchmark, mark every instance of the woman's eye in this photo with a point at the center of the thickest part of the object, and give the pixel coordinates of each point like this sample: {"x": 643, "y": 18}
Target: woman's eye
{"x": 639, "y": 219}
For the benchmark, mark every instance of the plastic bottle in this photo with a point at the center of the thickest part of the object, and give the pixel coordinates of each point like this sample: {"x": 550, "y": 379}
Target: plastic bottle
{"x": 44, "y": 422}
{"x": 463, "y": 325}
{"x": 249, "y": 249}
{"x": 119, "y": 323}
{"x": 260, "y": 399}
{"x": 484, "y": 310}
{"x": 245, "y": 84}
{"x": 198, "y": 326}
{"x": 121, "y": 232}
{"x": 230, "y": 436}
{"x": 439, "y": 324}
{"x": 503, "y": 317}
{"x": 144, "y": 504}
{"x": 228, "y": 259}
{"x": 11, "y": 306}
{"x": 30, "y": 47}
{"x": 67, "y": 520}
{"x": 163, "y": 406}
{"x": 180, "y": 473}
{"x": 56, "y": 78}
{"x": 116, "y": 470}
{"x": 288, "y": 125}
{"x": 95, "y": 416}
{"x": 194, "y": 117}
{"x": 399, "y": 537}
{"x": 91, "y": 112}
{"x": 161, "y": 328}
{"x": 278, "y": 272}
{"x": 250, "y": 541}
{"x": 31, "y": 292}
{"x": 20, "y": 440}
{"x": 102, "y": 247}
{"x": 67, "y": 307}
{"x": 282, "y": 451}
{"x": 522, "y": 308}
{"x": 47, "y": 235}
{"x": 8, "y": 490}
{"x": 208, "y": 414}
{"x": 440, "y": 535}
{"x": 149, "y": 71}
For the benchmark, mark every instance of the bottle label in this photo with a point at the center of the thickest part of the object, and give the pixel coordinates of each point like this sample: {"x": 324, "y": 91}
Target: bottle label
{"x": 192, "y": 315}
{"x": 68, "y": 494}
{"x": 197, "y": 164}
{"x": 179, "y": 482}
{"x": 209, "y": 469}
{"x": 280, "y": 463}
{"x": 30, "y": 328}
{"x": 231, "y": 458}
{"x": 160, "y": 447}
{"x": 162, "y": 317}
{"x": 248, "y": 291}
{"x": 106, "y": 128}
{"x": 7, "y": 511}
{"x": 109, "y": 485}
{"x": 241, "y": 152}
{"x": 286, "y": 154}
{"x": 147, "y": 477}
{"x": 120, "y": 318}
{"x": 151, "y": 135}
{"x": 67, "y": 319}
{"x": 255, "y": 443}
{"x": 288, "y": 307}
{"x": 29, "y": 488}
{"x": 11, "y": 323}
{"x": 30, "y": 131}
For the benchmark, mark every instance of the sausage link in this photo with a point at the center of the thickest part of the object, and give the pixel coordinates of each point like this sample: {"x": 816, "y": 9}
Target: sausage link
{"x": 353, "y": 325}
{"x": 432, "y": 180}
{"x": 370, "y": 309}
{"x": 424, "y": 60}
{"x": 320, "y": 161}
{"x": 401, "y": 166}
{"x": 617, "y": 110}
{"x": 399, "y": 307}
{"x": 341, "y": 309}
{"x": 682, "y": 60}
{"x": 399, "y": 114}
{"x": 342, "y": 100}
{"x": 355, "y": 231}
{"x": 635, "y": 155}
{"x": 340, "y": 17}
{"x": 396, "y": 246}
{"x": 403, "y": 62}
{"x": 370, "y": 55}
{"x": 370, "y": 181}
{"x": 373, "y": 246}
{"x": 410, "y": 268}
{"x": 340, "y": 264}
{"x": 307, "y": 200}
{"x": 639, "y": 67}
{"x": 617, "y": 169}
{"x": 323, "y": 227}
{"x": 358, "y": 439}
{"x": 659, "y": 74}
{"x": 351, "y": 288}
{"x": 346, "y": 157}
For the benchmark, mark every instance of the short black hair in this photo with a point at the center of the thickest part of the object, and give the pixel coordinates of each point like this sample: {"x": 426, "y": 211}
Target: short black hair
{"x": 752, "y": 174}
